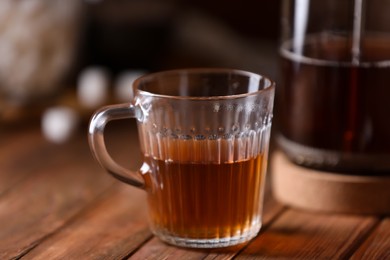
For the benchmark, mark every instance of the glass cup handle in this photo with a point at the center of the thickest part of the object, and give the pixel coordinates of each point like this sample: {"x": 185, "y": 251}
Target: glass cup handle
{"x": 96, "y": 142}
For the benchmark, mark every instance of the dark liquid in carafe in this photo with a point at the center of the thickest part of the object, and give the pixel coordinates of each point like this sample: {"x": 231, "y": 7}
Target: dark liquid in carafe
{"x": 327, "y": 103}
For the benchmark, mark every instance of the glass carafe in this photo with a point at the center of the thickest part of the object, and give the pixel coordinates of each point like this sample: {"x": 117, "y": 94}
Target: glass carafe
{"x": 334, "y": 97}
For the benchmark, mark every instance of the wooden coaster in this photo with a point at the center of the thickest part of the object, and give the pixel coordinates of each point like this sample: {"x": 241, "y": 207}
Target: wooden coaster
{"x": 310, "y": 189}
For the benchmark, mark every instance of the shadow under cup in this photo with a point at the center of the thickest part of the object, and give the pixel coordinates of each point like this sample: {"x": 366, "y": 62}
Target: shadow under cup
{"x": 204, "y": 134}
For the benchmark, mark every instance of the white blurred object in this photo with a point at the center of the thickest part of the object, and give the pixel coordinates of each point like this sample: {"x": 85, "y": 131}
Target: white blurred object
{"x": 59, "y": 123}
{"x": 38, "y": 40}
{"x": 93, "y": 87}
{"x": 124, "y": 85}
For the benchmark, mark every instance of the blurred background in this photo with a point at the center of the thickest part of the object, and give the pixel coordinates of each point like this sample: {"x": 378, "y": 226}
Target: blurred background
{"x": 60, "y": 60}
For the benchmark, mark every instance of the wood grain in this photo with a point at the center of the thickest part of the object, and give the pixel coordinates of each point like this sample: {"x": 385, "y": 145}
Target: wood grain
{"x": 377, "y": 246}
{"x": 57, "y": 203}
{"x": 110, "y": 228}
{"x": 306, "y": 235}
{"x": 58, "y": 182}
{"x": 20, "y": 155}
{"x": 48, "y": 198}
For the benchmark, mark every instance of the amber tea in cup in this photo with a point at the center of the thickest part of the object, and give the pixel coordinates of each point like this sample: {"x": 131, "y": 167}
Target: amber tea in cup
{"x": 204, "y": 134}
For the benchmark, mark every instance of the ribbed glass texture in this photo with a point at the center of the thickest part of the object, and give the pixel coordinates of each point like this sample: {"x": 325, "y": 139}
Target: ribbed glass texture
{"x": 206, "y": 156}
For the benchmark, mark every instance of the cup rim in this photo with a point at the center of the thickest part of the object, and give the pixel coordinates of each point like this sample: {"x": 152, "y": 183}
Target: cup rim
{"x": 266, "y": 89}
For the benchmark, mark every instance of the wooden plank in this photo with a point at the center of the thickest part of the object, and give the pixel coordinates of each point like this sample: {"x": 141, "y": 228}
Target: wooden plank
{"x": 377, "y": 246}
{"x": 111, "y": 228}
{"x": 307, "y": 235}
{"x": 63, "y": 182}
{"x": 45, "y": 201}
{"x": 20, "y": 155}
{"x": 66, "y": 207}
{"x": 155, "y": 248}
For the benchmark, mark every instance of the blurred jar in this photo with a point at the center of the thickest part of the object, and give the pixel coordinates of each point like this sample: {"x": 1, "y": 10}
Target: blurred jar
{"x": 333, "y": 100}
{"x": 38, "y": 40}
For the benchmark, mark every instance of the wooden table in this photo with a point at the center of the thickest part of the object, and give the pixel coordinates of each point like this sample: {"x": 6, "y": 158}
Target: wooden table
{"x": 56, "y": 202}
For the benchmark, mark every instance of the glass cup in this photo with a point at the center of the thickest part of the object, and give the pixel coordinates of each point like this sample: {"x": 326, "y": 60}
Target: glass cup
{"x": 335, "y": 82}
{"x": 204, "y": 134}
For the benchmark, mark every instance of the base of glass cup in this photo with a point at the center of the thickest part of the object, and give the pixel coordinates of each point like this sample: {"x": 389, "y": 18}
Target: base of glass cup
{"x": 330, "y": 160}
{"x": 209, "y": 242}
